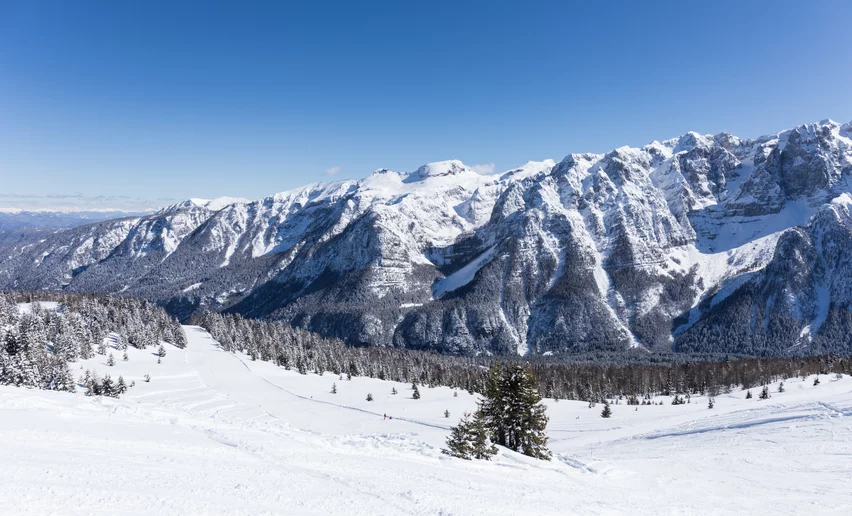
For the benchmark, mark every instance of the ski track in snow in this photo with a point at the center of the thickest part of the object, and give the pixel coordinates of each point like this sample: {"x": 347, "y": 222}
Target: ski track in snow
{"x": 216, "y": 433}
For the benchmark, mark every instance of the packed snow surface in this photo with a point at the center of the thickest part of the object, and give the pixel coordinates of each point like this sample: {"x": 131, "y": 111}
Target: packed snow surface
{"x": 215, "y": 433}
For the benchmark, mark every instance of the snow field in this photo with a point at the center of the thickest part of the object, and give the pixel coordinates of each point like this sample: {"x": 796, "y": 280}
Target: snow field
{"x": 216, "y": 433}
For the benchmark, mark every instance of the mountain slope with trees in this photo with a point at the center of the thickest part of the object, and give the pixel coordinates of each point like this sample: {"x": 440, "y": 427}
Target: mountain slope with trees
{"x": 662, "y": 247}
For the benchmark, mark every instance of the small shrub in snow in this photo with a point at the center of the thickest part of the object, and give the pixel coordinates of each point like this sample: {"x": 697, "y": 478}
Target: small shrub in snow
{"x": 606, "y": 413}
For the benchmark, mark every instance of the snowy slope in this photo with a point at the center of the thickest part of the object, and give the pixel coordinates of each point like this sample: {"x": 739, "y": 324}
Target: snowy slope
{"x": 214, "y": 433}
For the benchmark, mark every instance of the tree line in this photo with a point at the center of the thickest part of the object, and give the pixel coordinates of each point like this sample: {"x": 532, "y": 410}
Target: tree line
{"x": 36, "y": 345}
{"x": 633, "y": 375}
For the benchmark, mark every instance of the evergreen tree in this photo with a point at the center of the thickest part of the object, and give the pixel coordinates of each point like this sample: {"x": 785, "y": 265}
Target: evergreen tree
{"x": 65, "y": 346}
{"x": 481, "y": 446}
{"x": 111, "y": 360}
{"x": 459, "y": 441}
{"x": 513, "y": 413}
{"x": 816, "y": 381}
{"x": 120, "y": 386}
{"x": 66, "y": 379}
{"x": 393, "y": 390}
{"x": 334, "y": 388}
{"x": 416, "y": 393}
{"x": 107, "y": 387}
{"x": 748, "y": 395}
{"x": 781, "y": 387}
{"x": 369, "y": 397}
{"x": 764, "y": 393}
{"x": 161, "y": 351}
{"x": 607, "y": 411}
{"x": 446, "y": 413}
{"x": 711, "y": 403}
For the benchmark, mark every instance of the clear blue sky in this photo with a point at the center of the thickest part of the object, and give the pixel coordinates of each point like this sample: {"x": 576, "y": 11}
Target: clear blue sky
{"x": 166, "y": 100}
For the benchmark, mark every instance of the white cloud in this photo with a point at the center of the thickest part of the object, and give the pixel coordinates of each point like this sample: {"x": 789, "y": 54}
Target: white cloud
{"x": 332, "y": 171}
{"x": 486, "y": 169}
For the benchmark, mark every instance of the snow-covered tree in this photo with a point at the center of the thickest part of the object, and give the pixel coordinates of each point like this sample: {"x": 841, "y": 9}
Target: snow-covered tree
{"x": 513, "y": 413}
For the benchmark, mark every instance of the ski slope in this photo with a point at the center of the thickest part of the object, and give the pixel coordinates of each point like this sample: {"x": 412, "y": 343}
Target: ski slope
{"x": 216, "y": 433}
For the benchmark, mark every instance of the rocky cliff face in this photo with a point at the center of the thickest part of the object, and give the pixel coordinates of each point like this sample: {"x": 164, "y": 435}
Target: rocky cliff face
{"x": 659, "y": 247}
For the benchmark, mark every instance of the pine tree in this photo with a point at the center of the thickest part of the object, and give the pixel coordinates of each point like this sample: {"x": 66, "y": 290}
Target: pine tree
{"x": 416, "y": 393}
{"x": 111, "y": 360}
{"x": 764, "y": 393}
{"x": 781, "y": 387}
{"x": 334, "y": 388}
{"x": 393, "y": 390}
{"x": 481, "y": 446}
{"x": 748, "y": 395}
{"x": 711, "y": 403}
{"x": 125, "y": 357}
{"x": 455, "y": 394}
{"x": 120, "y": 386}
{"x": 459, "y": 441}
{"x": 161, "y": 352}
{"x": 66, "y": 382}
{"x": 107, "y": 387}
{"x": 816, "y": 381}
{"x": 369, "y": 397}
{"x": 512, "y": 411}
{"x": 446, "y": 413}
{"x": 606, "y": 412}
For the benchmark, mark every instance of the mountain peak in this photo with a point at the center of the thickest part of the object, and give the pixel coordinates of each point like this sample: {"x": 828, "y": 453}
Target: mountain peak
{"x": 452, "y": 167}
{"x": 208, "y": 204}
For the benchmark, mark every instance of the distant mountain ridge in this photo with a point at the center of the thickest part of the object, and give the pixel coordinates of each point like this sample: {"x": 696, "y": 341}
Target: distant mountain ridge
{"x": 698, "y": 243}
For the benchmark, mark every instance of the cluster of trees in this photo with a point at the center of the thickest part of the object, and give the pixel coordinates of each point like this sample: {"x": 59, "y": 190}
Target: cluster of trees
{"x": 509, "y": 414}
{"x": 630, "y": 376}
{"x": 597, "y": 382}
{"x": 103, "y": 386}
{"x": 304, "y": 351}
{"x": 36, "y": 345}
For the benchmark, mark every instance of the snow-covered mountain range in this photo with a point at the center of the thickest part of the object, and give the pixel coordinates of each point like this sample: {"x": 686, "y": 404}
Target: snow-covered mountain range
{"x": 698, "y": 243}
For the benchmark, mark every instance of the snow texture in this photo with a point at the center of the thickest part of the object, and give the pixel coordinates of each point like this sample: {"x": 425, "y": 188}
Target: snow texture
{"x": 215, "y": 433}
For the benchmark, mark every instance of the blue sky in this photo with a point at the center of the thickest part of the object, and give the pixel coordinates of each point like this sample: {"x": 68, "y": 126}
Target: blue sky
{"x": 132, "y": 103}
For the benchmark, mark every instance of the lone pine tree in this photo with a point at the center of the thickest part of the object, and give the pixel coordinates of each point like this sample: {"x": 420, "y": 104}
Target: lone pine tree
{"x": 512, "y": 411}
{"x": 606, "y": 412}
